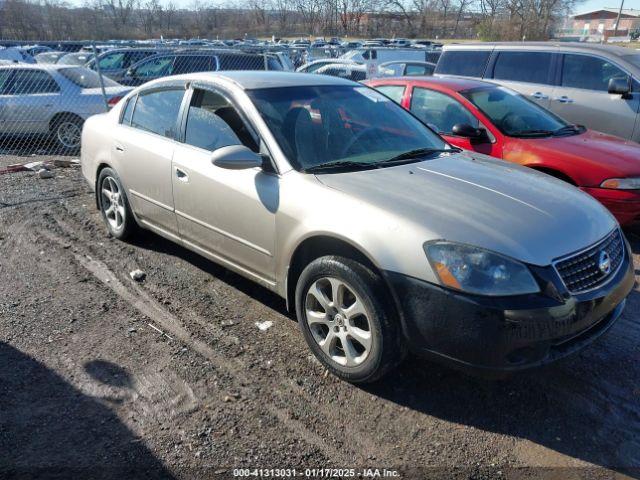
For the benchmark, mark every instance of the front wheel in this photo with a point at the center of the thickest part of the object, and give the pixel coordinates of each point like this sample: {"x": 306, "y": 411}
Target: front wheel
{"x": 346, "y": 318}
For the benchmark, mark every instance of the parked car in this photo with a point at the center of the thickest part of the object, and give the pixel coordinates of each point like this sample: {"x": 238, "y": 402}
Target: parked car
{"x": 177, "y": 63}
{"x": 115, "y": 63}
{"x": 591, "y": 84}
{"x": 404, "y": 68}
{"x": 380, "y": 235}
{"x": 385, "y": 54}
{"x": 352, "y": 71}
{"x": 497, "y": 121}
{"x": 313, "y": 67}
{"x": 52, "y": 100}
{"x": 49, "y": 57}
{"x": 75, "y": 58}
{"x": 16, "y": 54}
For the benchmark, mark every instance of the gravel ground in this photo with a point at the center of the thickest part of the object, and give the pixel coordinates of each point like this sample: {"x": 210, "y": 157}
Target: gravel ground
{"x": 105, "y": 377}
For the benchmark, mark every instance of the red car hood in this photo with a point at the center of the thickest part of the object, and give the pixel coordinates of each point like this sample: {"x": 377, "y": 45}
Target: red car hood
{"x": 591, "y": 156}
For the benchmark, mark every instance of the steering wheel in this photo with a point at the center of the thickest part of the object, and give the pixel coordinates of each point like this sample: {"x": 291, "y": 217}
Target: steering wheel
{"x": 355, "y": 139}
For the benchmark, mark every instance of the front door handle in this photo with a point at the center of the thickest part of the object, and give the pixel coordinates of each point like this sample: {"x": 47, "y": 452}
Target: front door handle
{"x": 182, "y": 175}
{"x": 539, "y": 96}
{"x": 564, "y": 99}
{"x": 119, "y": 148}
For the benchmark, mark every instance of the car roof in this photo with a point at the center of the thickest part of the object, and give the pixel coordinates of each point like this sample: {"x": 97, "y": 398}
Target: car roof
{"x": 457, "y": 84}
{"x": 254, "y": 79}
{"x": 40, "y": 66}
{"x": 578, "y": 46}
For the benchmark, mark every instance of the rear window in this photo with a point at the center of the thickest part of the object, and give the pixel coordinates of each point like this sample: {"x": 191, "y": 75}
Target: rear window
{"x": 85, "y": 78}
{"x": 463, "y": 62}
{"x": 531, "y": 67}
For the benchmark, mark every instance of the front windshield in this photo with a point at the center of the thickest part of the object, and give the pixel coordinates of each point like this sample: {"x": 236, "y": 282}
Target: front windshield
{"x": 316, "y": 125}
{"x": 513, "y": 114}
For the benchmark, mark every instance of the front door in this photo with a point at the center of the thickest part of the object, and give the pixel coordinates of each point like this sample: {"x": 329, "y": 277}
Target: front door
{"x": 228, "y": 215}
{"x": 582, "y": 96}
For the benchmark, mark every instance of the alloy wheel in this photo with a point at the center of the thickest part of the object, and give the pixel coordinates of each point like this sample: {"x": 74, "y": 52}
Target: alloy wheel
{"x": 338, "y": 321}
{"x": 113, "y": 203}
{"x": 69, "y": 134}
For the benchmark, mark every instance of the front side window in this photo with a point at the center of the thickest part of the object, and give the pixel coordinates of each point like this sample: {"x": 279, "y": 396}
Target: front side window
{"x": 155, "y": 67}
{"x": 31, "y": 82}
{"x": 590, "y": 73}
{"x": 463, "y": 62}
{"x": 415, "y": 69}
{"x": 531, "y": 67}
{"x": 317, "y": 125}
{"x": 513, "y": 114}
{"x": 440, "y": 111}
{"x": 85, "y": 78}
{"x": 112, "y": 61}
{"x": 157, "y": 112}
{"x": 394, "y": 92}
{"x": 212, "y": 123}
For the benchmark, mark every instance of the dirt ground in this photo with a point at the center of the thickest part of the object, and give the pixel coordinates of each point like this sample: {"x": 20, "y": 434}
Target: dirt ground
{"x": 104, "y": 377}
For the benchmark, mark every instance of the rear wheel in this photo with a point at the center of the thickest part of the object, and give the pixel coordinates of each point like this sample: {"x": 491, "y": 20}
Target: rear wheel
{"x": 345, "y": 316}
{"x": 114, "y": 205}
{"x": 67, "y": 133}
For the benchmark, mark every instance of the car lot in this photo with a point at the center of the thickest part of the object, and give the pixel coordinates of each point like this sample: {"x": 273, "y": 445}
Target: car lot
{"x": 91, "y": 381}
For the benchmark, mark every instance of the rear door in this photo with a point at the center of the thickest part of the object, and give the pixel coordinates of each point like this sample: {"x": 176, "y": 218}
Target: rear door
{"x": 144, "y": 146}
{"x": 30, "y": 100}
{"x": 529, "y": 73}
{"x": 582, "y": 95}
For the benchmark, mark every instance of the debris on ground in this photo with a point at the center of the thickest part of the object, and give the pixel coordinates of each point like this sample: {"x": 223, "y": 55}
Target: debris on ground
{"x": 138, "y": 275}
{"x": 44, "y": 173}
{"x": 264, "y": 326}
{"x": 160, "y": 331}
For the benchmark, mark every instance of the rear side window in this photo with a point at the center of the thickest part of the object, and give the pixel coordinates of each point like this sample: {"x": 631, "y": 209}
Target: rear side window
{"x": 394, "y": 92}
{"x": 413, "y": 69}
{"x": 31, "y": 82}
{"x": 157, "y": 112}
{"x": 128, "y": 111}
{"x": 531, "y": 67}
{"x": 4, "y": 80}
{"x": 590, "y": 73}
{"x": 191, "y": 64}
{"x": 242, "y": 62}
{"x": 463, "y": 62}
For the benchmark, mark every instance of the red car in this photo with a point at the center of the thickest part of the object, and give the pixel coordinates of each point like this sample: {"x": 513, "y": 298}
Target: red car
{"x": 497, "y": 121}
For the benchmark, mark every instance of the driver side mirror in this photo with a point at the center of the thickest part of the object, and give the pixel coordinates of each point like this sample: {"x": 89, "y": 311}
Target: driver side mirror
{"x": 619, "y": 86}
{"x": 236, "y": 157}
{"x": 467, "y": 131}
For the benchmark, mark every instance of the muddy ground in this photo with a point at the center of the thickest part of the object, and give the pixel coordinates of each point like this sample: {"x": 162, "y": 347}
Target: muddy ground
{"x": 103, "y": 377}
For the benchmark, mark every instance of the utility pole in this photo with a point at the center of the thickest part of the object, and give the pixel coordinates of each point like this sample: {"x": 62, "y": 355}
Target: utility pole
{"x": 615, "y": 30}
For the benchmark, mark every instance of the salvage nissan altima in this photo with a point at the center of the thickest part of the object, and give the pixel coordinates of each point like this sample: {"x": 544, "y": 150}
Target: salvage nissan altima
{"x": 381, "y": 236}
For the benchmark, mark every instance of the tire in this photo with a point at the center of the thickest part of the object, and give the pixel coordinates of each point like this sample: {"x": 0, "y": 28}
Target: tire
{"x": 114, "y": 205}
{"x": 66, "y": 131}
{"x": 355, "y": 347}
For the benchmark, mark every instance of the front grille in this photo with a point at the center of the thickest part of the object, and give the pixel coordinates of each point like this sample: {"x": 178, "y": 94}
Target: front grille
{"x": 582, "y": 272}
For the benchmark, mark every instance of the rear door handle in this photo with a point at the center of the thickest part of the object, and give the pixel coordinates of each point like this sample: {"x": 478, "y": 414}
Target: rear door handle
{"x": 539, "y": 96}
{"x": 119, "y": 148}
{"x": 182, "y": 175}
{"x": 564, "y": 99}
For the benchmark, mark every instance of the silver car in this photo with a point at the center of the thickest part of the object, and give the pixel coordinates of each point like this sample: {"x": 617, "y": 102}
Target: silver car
{"x": 377, "y": 233}
{"x": 594, "y": 85}
{"x": 54, "y": 100}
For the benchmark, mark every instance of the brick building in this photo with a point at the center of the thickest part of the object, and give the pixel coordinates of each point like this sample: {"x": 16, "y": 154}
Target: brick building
{"x": 603, "y": 21}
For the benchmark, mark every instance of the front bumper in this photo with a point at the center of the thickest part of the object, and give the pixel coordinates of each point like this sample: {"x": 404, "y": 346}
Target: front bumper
{"x": 503, "y": 334}
{"x": 623, "y": 204}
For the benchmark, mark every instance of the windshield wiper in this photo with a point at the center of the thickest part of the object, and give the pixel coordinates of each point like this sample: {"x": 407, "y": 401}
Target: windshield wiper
{"x": 419, "y": 152}
{"x": 337, "y": 165}
{"x": 570, "y": 129}
{"x": 533, "y": 133}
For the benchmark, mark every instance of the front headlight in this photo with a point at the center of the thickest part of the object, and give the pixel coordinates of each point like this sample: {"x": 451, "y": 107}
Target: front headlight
{"x": 478, "y": 271}
{"x": 631, "y": 183}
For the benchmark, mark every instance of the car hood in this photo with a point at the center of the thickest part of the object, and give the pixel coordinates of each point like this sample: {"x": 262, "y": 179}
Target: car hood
{"x": 603, "y": 155}
{"x": 484, "y": 202}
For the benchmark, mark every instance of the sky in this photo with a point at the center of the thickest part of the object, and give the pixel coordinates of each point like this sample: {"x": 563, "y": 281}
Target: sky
{"x": 596, "y": 4}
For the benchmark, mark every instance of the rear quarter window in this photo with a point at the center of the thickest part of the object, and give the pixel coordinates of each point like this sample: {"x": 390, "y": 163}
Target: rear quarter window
{"x": 466, "y": 63}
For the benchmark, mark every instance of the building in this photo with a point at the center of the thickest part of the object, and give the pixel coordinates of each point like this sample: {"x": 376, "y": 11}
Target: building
{"x": 603, "y": 22}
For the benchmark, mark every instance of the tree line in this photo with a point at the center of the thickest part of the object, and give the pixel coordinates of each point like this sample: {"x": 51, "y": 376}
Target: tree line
{"x": 144, "y": 19}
